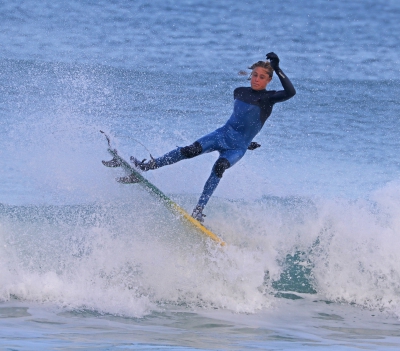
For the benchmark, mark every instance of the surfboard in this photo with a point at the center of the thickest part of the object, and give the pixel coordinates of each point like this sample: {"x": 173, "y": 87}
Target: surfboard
{"x": 135, "y": 176}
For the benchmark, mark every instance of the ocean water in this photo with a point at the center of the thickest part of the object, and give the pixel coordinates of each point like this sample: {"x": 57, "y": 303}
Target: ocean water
{"x": 311, "y": 219}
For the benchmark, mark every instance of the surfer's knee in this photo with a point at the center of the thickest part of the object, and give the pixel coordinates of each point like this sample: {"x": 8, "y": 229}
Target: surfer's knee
{"x": 221, "y": 166}
{"x": 192, "y": 150}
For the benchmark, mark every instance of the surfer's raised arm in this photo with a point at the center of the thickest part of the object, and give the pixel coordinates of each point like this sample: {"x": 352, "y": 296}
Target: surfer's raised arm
{"x": 289, "y": 90}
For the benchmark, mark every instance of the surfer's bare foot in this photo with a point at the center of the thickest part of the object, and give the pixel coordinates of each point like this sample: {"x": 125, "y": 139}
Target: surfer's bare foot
{"x": 198, "y": 214}
{"x": 143, "y": 165}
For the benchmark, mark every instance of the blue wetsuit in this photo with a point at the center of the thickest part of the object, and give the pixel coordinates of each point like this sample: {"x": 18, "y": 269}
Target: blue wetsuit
{"x": 251, "y": 110}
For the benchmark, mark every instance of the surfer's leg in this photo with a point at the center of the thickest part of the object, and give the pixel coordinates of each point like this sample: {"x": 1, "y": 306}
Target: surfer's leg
{"x": 226, "y": 160}
{"x": 179, "y": 154}
{"x": 212, "y": 182}
{"x": 208, "y": 143}
{"x": 169, "y": 158}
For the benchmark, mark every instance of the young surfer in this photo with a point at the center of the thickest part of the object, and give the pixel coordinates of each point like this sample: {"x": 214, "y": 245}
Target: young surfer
{"x": 252, "y": 106}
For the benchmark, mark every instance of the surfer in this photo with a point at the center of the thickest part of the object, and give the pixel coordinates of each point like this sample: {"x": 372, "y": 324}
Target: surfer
{"x": 252, "y": 106}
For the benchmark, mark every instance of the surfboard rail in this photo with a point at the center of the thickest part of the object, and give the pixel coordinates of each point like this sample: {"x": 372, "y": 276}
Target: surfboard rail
{"x": 153, "y": 190}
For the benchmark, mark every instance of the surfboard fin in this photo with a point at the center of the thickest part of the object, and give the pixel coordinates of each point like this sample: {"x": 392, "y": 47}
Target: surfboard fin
{"x": 112, "y": 163}
{"x": 130, "y": 179}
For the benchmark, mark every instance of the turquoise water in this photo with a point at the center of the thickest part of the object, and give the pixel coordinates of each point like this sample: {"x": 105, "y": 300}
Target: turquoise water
{"x": 310, "y": 218}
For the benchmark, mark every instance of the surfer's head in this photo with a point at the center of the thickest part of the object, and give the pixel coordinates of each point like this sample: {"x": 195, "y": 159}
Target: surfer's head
{"x": 263, "y": 64}
{"x": 261, "y": 75}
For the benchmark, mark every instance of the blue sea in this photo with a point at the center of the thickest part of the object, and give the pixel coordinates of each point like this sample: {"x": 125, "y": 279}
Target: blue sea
{"x": 311, "y": 219}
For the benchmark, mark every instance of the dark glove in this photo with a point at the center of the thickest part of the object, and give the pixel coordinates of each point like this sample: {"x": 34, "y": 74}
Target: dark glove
{"x": 274, "y": 60}
{"x": 253, "y": 145}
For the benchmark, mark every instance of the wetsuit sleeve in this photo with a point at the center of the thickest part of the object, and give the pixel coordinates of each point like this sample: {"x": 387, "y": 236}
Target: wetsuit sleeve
{"x": 289, "y": 90}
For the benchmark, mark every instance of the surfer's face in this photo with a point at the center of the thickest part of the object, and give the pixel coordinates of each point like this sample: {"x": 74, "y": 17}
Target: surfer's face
{"x": 259, "y": 78}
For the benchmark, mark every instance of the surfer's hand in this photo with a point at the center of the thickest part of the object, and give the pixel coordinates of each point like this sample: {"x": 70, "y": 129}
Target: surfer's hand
{"x": 253, "y": 145}
{"x": 274, "y": 60}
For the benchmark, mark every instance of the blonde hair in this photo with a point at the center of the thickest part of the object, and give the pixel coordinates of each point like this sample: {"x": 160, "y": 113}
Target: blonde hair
{"x": 263, "y": 64}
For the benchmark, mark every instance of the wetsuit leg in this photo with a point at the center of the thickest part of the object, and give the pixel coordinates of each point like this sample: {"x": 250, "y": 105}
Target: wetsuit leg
{"x": 212, "y": 142}
{"x": 179, "y": 154}
{"x": 192, "y": 150}
{"x": 207, "y": 143}
{"x": 169, "y": 158}
{"x": 212, "y": 182}
{"x": 226, "y": 160}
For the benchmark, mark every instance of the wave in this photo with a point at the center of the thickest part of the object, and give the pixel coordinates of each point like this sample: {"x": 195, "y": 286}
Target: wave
{"x": 132, "y": 257}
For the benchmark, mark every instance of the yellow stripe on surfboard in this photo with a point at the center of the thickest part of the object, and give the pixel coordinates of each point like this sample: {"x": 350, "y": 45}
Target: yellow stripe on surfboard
{"x": 198, "y": 225}
{"x": 152, "y": 189}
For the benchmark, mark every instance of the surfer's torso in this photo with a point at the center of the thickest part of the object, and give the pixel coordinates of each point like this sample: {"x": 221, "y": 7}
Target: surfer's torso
{"x": 251, "y": 109}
